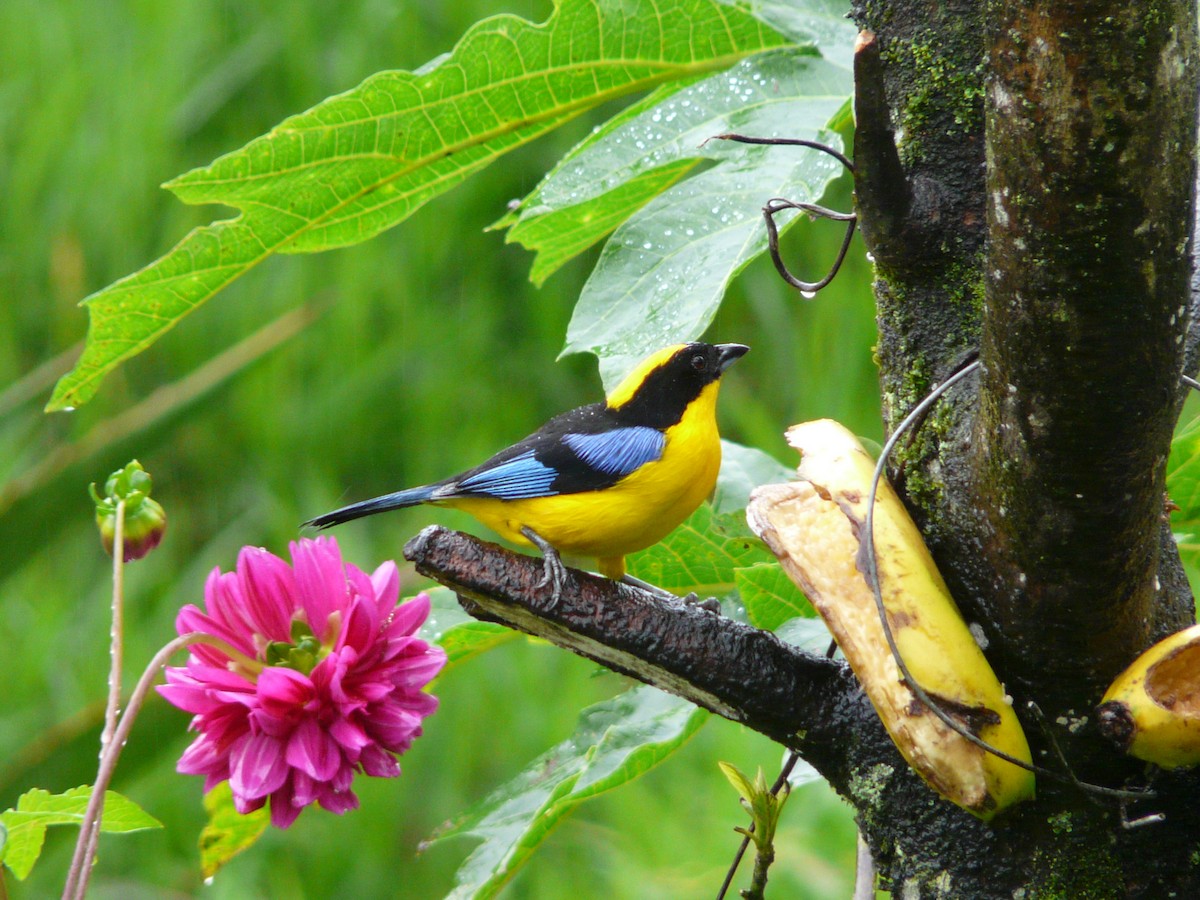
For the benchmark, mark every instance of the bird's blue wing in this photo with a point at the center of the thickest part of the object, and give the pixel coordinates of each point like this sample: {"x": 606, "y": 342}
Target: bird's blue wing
{"x": 620, "y": 451}
{"x": 518, "y": 478}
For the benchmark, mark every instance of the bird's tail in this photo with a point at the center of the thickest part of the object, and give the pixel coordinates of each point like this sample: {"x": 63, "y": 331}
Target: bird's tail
{"x": 399, "y": 499}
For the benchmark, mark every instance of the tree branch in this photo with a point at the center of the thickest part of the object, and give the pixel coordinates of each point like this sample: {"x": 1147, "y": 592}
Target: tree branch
{"x": 739, "y": 672}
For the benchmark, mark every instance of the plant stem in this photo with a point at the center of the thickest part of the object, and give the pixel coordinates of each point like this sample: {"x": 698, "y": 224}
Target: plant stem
{"x": 116, "y": 649}
{"x": 89, "y": 830}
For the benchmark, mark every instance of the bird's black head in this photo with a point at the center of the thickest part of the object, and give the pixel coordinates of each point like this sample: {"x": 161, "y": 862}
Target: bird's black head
{"x": 658, "y": 391}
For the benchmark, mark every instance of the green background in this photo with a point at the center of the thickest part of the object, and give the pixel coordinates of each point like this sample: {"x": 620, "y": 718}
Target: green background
{"x": 429, "y": 351}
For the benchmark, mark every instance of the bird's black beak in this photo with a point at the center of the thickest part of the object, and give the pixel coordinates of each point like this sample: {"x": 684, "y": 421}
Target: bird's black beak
{"x": 728, "y": 354}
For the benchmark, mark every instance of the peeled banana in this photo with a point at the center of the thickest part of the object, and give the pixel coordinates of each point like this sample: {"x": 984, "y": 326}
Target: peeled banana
{"x": 814, "y": 526}
{"x": 1152, "y": 710}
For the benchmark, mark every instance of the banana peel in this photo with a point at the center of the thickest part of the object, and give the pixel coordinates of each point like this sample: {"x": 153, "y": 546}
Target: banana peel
{"x": 814, "y": 526}
{"x": 1152, "y": 710}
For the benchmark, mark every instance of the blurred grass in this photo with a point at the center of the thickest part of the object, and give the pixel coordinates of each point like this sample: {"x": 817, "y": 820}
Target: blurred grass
{"x": 430, "y": 351}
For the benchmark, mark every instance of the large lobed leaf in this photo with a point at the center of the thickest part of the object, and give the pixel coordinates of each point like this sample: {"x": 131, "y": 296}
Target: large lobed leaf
{"x": 1183, "y": 485}
{"x": 362, "y": 161}
{"x": 615, "y": 742}
{"x": 679, "y": 240}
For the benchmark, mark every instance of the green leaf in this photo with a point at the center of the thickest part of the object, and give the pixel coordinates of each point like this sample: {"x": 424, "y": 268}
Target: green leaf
{"x": 770, "y": 597}
{"x": 821, "y": 22}
{"x": 1183, "y": 484}
{"x": 227, "y": 832}
{"x": 461, "y": 636}
{"x": 742, "y": 470}
{"x": 362, "y": 161}
{"x": 662, "y": 274}
{"x": 701, "y": 555}
{"x": 809, "y": 634}
{"x": 615, "y": 742}
{"x": 736, "y": 777}
{"x": 37, "y": 809}
{"x": 616, "y": 170}
{"x": 560, "y": 235}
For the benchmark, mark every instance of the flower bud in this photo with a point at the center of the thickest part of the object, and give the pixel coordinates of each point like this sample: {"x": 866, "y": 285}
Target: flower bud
{"x": 145, "y": 520}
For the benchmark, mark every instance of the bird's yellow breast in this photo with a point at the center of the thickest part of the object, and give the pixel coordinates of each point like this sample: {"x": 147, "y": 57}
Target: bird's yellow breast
{"x": 639, "y": 510}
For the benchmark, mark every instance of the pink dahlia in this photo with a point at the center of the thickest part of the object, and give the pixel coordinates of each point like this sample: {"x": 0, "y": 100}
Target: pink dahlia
{"x": 329, "y": 683}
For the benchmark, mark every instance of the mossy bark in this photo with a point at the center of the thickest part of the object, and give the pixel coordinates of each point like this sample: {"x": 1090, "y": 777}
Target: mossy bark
{"x": 1026, "y": 179}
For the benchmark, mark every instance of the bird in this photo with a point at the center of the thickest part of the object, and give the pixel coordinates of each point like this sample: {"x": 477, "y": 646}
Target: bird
{"x": 603, "y": 480}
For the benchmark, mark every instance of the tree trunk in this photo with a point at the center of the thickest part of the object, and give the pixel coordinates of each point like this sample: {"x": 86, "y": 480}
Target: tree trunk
{"x": 1025, "y": 180}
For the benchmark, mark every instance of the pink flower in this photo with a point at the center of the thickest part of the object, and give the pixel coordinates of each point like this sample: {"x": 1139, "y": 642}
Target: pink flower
{"x": 329, "y": 684}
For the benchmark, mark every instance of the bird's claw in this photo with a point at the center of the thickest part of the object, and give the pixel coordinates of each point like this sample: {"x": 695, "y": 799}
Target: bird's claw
{"x": 712, "y": 604}
{"x": 709, "y": 604}
{"x": 554, "y": 573}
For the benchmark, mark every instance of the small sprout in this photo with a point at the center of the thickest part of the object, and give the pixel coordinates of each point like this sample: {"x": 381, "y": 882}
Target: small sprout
{"x": 763, "y": 805}
{"x": 145, "y": 521}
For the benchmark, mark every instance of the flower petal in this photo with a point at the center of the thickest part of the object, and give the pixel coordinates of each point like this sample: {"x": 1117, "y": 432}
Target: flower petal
{"x": 284, "y": 692}
{"x": 378, "y": 763}
{"x": 284, "y": 809}
{"x": 320, "y": 581}
{"x": 311, "y": 750}
{"x": 257, "y": 766}
{"x": 339, "y": 802}
{"x": 269, "y": 590}
{"x": 386, "y": 582}
{"x": 409, "y": 616}
{"x": 349, "y": 736}
{"x": 415, "y": 671}
{"x": 191, "y": 619}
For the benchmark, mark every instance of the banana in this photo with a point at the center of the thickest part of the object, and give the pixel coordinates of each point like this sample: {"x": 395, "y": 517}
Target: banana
{"x": 814, "y": 527}
{"x": 1152, "y": 710}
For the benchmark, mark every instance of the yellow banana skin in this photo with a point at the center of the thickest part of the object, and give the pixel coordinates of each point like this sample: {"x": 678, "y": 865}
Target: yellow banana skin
{"x": 1152, "y": 710}
{"x": 814, "y": 527}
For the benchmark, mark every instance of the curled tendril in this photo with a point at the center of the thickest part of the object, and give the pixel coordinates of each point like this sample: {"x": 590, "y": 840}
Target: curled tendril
{"x": 779, "y": 204}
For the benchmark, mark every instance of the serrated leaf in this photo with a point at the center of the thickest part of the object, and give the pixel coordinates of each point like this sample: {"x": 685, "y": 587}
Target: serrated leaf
{"x": 614, "y": 743}
{"x": 662, "y": 275}
{"x": 1183, "y": 482}
{"x": 560, "y": 235}
{"x": 825, "y": 23}
{"x": 742, "y": 470}
{"x": 227, "y": 832}
{"x": 611, "y": 174}
{"x": 362, "y": 161}
{"x": 37, "y": 809}
{"x": 701, "y": 555}
{"x": 770, "y": 597}
{"x": 461, "y": 636}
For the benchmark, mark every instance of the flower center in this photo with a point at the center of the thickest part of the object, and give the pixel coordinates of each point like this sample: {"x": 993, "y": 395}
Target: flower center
{"x": 302, "y": 653}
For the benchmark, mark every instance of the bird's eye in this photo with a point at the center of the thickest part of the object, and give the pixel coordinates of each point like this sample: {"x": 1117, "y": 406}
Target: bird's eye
{"x": 699, "y": 363}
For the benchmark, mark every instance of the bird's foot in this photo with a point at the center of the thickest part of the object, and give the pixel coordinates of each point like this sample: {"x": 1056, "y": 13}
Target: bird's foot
{"x": 709, "y": 604}
{"x": 554, "y": 573}
{"x": 712, "y": 604}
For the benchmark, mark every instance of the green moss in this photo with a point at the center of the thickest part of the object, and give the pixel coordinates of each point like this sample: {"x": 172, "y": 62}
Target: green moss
{"x": 867, "y": 788}
{"x": 1060, "y": 823}
{"x": 1075, "y": 868}
{"x": 943, "y": 96}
